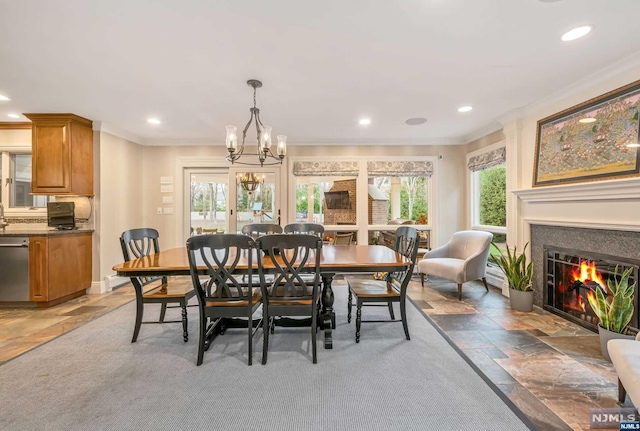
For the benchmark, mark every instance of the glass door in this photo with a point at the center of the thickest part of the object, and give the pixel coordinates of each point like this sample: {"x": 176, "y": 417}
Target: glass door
{"x": 208, "y": 202}
{"x": 255, "y": 195}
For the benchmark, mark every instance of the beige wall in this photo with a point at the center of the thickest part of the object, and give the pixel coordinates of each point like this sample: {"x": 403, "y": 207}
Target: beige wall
{"x": 120, "y": 200}
{"x": 15, "y": 138}
{"x": 485, "y": 141}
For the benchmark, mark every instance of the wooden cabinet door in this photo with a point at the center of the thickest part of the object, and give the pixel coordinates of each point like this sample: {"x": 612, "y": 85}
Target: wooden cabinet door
{"x": 38, "y": 269}
{"x": 69, "y": 264}
{"x": 51, "y": 157}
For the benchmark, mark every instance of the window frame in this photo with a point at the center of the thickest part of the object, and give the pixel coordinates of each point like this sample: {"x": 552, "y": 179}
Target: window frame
{"x": 8, "y": 172}
{"x": 474, "y": 193}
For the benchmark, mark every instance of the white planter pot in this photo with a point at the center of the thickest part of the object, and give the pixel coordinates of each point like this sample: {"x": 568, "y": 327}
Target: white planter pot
{"x": 521, "y": 301}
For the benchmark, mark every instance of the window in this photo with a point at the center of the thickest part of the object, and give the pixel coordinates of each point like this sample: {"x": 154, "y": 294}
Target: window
{"x": 488, "y": 196}
{"x": 326, "y": 200}
{"x": 15, "y": 177}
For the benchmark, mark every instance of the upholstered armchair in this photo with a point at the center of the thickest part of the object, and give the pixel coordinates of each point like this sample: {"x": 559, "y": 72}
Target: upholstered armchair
{"x": 625, "y": 356}
{"x": 462, "y": 259}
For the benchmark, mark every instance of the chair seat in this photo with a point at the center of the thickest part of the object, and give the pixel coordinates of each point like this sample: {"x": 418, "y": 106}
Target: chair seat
{"x": 444, "y": 267}
{"x": 178, "y": 288}
{"x": 256, "y": 298}
{"x": 371, "y": 288}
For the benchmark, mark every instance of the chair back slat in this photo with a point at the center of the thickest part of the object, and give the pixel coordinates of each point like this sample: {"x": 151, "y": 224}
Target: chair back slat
{"x": 406, "y": 245}
{"x": 291, "y": 256}
{"x": 137, "y": 243}
{"x": 305, "y": 228}
{"x": 220, "y": 255}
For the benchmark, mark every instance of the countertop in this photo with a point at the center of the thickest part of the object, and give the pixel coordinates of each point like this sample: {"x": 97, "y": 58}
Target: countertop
{"x": 44, "y": 231}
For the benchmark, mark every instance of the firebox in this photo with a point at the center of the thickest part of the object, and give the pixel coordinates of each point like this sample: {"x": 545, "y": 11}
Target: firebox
{"x": 572, "y": 275}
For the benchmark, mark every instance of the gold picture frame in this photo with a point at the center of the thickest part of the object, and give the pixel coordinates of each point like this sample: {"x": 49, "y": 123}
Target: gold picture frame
{"x": 593, "y": 141}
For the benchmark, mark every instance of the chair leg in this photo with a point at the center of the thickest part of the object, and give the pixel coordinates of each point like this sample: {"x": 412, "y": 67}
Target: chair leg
{"x": 185, "y": 333}
{"x": 250, "y": 329}
{"x": 201, "y": 340}
{"x": 139, "y": 313}
{"x": 358, "y": 320}
{"x": 422, "y": 279}
{"x": 393, "y": 317}
{"x": 163, "y": 310}
{"x": 314, "y": 338}
{"x": 403, "y": 315}
{"x": 459, "y": 291}
{"x": 265, "y": 334}
{"x": 622, "y": 392}
{"x": 486, "y": 286}
{"x": 349, "y": 306}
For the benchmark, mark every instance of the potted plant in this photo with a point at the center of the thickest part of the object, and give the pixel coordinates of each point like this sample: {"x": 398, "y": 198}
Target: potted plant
{"x": 519, "y": 274}
{"x": 614, "y": 308}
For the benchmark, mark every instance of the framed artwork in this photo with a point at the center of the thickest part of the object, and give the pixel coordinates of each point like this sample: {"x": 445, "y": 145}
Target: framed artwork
{"x": 593, "y": 141}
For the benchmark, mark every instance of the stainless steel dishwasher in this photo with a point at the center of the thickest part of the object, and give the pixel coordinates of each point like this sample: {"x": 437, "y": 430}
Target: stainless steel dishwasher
{"x": 14, "y": 268}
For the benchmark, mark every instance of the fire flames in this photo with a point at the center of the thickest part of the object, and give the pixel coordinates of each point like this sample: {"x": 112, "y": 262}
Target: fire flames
{"x": 588, "y": 275}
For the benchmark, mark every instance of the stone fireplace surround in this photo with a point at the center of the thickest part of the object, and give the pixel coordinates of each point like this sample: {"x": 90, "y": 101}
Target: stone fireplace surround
{"x": 624, "y": 244}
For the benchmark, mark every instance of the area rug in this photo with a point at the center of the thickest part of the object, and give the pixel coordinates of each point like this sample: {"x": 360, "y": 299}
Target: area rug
{"x": 94, "y": 378}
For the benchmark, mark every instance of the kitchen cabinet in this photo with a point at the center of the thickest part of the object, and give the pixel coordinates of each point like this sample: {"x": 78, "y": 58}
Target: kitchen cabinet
{"x": 59, "y": 267}
{"x": 62, "y": 154}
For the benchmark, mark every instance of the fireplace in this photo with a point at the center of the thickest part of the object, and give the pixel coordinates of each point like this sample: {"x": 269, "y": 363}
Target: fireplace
{"x": 571, "y": 276}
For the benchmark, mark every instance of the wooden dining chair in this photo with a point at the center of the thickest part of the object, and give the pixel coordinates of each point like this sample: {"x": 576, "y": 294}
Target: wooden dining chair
{"x": 141, "y": 242}
{"x": 289, "y": 293}
{"x": 342, "y": 238}
{"x": 306, "y": 228}
{"x": 256, "y": 230}
{"x": 388, "y": 291}
{"x": 223, "y": 295}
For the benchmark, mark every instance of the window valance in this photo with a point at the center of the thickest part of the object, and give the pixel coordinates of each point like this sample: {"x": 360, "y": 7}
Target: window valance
{"x": 326, "y": 169}
{"x": 400, "y": 169}
{"x": 488, "y": 159}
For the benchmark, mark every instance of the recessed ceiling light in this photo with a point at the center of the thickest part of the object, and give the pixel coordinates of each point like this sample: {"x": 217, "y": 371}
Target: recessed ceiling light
{"x": 364, "y": 121}
{"x": 416, "y": 121}
{"x": 634, "y": 145}
{"x": 13, "y": 116}
{"x": 153, "y": 121}
{"x": 576, "y": 33}
{"x": 465, "y": 108}
{"x": 4, "y": 97}
{"x": 587, "y": 120}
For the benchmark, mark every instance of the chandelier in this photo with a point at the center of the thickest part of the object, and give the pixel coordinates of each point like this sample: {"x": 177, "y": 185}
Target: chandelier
{"x": 263, "y": 151}
{"x": 250, "y": 181}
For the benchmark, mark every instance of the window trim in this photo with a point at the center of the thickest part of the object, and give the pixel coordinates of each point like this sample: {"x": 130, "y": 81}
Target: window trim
{"x": 474, "y": 193}
{"x": 9, "y": 211}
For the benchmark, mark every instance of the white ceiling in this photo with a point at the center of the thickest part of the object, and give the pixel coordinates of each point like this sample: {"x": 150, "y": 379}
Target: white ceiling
{"x": 324, "y": 64}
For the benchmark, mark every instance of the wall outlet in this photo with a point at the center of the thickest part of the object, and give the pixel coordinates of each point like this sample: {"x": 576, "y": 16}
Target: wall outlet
{"x": 167, "y": 210}
{"x": 166, "y": 189}
{"x": 166, "y": 180}
{"x": 167, "y": 199}
{"x": 159, "y": 210}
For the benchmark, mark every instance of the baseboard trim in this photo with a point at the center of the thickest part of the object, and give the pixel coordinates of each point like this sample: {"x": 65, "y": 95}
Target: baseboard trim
{"x": 107, "y": 285}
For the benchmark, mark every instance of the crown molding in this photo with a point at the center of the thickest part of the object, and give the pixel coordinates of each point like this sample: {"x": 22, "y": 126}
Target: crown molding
{"x": 15, "y": 125}
{"x": 487, "y": 129}
{"x": 100, "y": 126}
{"x": 328, "y": 142}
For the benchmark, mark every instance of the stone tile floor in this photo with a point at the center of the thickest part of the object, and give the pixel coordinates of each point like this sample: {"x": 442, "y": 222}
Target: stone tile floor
{"x": 551, "y": 369}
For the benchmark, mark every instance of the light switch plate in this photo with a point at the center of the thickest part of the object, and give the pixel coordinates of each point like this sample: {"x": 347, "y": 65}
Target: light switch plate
{"x": 166, "y": 189}
{"x": 167, "y": 199}
{"x": 166, "y": 180}
{"x": 159, "y": 210}
{"x": 167, "y": 210}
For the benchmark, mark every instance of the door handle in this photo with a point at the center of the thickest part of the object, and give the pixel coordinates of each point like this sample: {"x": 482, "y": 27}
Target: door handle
{"x": 14, "y": 245}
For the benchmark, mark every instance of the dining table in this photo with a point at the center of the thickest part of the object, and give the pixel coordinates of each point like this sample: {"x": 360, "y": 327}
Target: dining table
{"x": 335, "y": 259}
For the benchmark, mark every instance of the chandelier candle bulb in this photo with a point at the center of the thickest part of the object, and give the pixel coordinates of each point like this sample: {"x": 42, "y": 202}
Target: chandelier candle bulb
{"x": 266, "y": 139}
{"x": 282, "y": 145}
{"x": 232, "y": 139}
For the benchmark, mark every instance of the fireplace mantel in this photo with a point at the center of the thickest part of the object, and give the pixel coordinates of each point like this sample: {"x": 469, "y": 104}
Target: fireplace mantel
{"x": 583, "y": 224}
{"x": 591, "y": 191}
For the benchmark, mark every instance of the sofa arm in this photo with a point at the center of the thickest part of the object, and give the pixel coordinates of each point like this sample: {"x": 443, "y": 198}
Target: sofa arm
{"x": 438, "y": 252}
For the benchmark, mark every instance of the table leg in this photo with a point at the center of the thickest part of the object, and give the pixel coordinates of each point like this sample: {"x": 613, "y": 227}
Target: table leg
{"x": 328, "y": 316}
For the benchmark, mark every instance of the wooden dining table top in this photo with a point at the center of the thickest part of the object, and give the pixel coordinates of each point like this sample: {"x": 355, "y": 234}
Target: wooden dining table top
{"x": 334, "y": 258}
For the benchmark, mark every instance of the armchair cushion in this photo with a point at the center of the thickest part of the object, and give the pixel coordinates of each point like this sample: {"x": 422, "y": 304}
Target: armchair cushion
{"x": 463, "y": 258}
